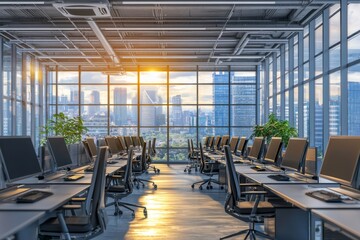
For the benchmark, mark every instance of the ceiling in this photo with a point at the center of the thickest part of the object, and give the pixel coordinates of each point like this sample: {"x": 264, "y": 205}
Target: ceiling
{"x": 181, "y": 34}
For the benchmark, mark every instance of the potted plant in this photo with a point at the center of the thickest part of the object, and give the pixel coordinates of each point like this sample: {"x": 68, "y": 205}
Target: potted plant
{"x": 275, "y": 128}
{"x": 71, "y": 128}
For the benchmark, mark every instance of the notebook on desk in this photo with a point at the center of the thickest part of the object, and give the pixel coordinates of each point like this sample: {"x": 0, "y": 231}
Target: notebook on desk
{"x": 73, "y": 177}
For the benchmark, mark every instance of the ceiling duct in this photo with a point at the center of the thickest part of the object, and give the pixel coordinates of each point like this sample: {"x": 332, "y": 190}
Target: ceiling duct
{"x": 83, "y": 9}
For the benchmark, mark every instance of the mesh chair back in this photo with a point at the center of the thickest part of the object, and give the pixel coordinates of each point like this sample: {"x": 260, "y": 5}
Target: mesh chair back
{"x": 153, "y": 146}
{"x": 233, "y": 189}
{"x": 128, "y": 171}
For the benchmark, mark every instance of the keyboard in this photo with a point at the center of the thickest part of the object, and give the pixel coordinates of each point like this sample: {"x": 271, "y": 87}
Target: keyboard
{"x": 89, "y": 169}
{"x": 279, "y": 177}
{"x": 73, "y": 177}
{"x": 258, "y": 168}
{"x": 32, "y": 196}
{"x": 325, "y": 196}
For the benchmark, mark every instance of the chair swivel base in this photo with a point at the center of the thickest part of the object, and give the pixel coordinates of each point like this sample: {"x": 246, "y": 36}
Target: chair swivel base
{"x": 251, "y": 232}
{"x": 208, "y": 182}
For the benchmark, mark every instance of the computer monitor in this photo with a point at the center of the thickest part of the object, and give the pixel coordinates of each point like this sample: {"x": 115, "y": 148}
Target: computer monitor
{"x": 206, "y": 141}
{"x": 19, "y": 158}
{"x": 295, "y": 154}
{"x": 256, "y": 149}
{"x": 59, "y": 151}
{"x": 217, "y": 140}
{"x": 119, "y": 144}
{"x": 340, "y": 162}
{"x": 273, "y": 151}
{"x": 92, "y": 146}
{"x": 233, "y": 143}
{"x": 311, "y": 162}
{"x": 241, "y": 148}
{"x": 135, "y": 141}
{"x": 224, "y": 140}
{"x": 111, "y": 143}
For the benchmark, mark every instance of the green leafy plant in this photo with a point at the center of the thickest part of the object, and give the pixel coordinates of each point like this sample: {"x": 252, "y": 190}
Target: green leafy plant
{"x": 275, "y": 128}
{"x": 72, "y": 129}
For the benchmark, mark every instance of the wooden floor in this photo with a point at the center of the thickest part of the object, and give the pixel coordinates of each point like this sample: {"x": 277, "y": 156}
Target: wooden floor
{"x": 175, "y": 211}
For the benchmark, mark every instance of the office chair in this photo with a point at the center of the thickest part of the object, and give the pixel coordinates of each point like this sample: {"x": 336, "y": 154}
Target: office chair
{"x": 252, "y": 211}
{"x": 193, "y": 157}
{"x": 149, "y": 159}
{"x": 140, "y": 168}
{"x": 208, "y": 168}
{"x": 153, "y": 148}
{"x": 120, "y": 186}
{"x": 93, "y": 222}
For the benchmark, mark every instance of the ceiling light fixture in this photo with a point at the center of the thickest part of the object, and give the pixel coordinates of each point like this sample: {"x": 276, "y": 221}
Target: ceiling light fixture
{"x": 22, "y": 3}
{"x": 199, "y": 2}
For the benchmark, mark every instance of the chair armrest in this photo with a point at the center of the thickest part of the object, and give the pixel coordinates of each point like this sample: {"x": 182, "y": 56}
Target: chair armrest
{"x": 254, "y": 193}
{"x": 250, "y": 185}
{"x": 70, "y": 207}
{"x": 78, "y": 199}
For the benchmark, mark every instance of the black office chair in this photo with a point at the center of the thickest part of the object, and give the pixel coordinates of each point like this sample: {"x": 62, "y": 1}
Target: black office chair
{"x": 153, "y": 147}
{"x": 120, "y": 186}
{"x": 252, "y": 211}
{"x": 93, "y": 222}
{"x": 149, "y": 158}
{"x": 208, "y": 168}
{"x": 140, "y": 167}
{"x": 193, "y": 157}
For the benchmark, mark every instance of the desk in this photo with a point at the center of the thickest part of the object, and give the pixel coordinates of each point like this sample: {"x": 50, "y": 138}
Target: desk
{"x": 18, "y": 222}
{"x": 264, "y": 179}
{"x": 61, "y": 195}
{"x": 246, "y": 169}
{"x": 345, "y": 219}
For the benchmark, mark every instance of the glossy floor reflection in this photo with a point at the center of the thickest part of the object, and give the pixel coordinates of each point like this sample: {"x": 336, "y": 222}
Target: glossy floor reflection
{"x": 175, "y": 211}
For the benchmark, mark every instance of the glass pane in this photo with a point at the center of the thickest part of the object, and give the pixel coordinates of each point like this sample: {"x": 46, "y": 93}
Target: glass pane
{"x": 241, "y": 131}
{"x": 354, "y": 48}
{"x": 6, "y": 70}
{"x": 122, "y": 94}
{"x": 182, "y": 115}
{"x": 319, "y": 115}
{"x": 354, "y": 100}
{"x": 214, "y": 94}
{"x": 296, "y": 76}
{"x": 128, "y": 77}
{"x": 67, "y": 77}
{"x": 153, "y": 115}
{"x": 334, "y": 29}
{"x": 213, "y": 115}
{"x": 158, "y": 133}
{"x": 334, "y": 57}
{"x": 18, "y": 75}
{"x": 243, "y": 115}
{"x": 318, "y": 39}
{"x": 95, "y": 115}
{"x": 68, "y": 94}
{"x": 353, "y": 18}
{"x": 52, "y": 94}
{"x": 271, "y": 90}
{"x": 19, "y": 122}
{"x": 69, "y": 110}
{"x": 243, "y": 94}
{"x": 182, "y": 77}
{"x": 287, "y": 116}
{"x": 123, "y": 115}
{"x": 93, "y": 77}
{"x": 213, "y": 77}
{"x": 6, "y": 121}
{"x": 306, "y": 71}
{"x": 334, "y": 111}
{"x": 243, "y": 77}
{"x": 296, "y": 107}
{"x": 153, "y": 77}
{"x": 318, "y": 65}
{"x": 306, "y": 49}
{"x": 178, "y": 137}
{"x": 182, "y": 94}
{"x": 91, "y": 96}
{"x": 97, "y": 132}
{"x": 306, "y": 110}
{"x": 296, "y": 55}
{"x": 178, "y": 155}
{"x": 153, "y": 94}
{"x": 120, "y": 131}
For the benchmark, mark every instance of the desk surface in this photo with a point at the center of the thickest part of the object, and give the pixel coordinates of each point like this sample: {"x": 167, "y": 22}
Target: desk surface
{"x": 61, "y": 194}
{"x": 246, "y": 169}
{"x": 346, "y": 219}
{"x": 13, "y": 221}
{"x": 264, "y": 179}
{"x": 295, "y": 194}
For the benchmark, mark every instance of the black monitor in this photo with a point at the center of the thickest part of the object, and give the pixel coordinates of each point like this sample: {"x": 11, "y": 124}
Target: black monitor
{"x": 224, "y": 140}
{"x": 256, "y": 149}
{"x": 111, "y": 143}
{"x": 59, "y": 151}
{"x": 241, "y": 148}
{"x": 119, "y": 144}
{"x": 216, "y": 142}
{"x": 340, "y": 162}
{"x": 274, "y": 149}
{"x": 18, "y": 157}
{"x": 135, "y": 141}
{"x": 206, "y": 141}
{"x": 311, "y": 162}
{"x": 295, "y": 154}
{"x": 233, "y": 143}
{"x": 92, "y": 146}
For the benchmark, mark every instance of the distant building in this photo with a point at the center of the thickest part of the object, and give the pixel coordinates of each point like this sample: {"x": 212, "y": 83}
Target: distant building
{"x": 120, "y": 112}
{"x": 176, "y": 112}
{"x": 94, "y": 99}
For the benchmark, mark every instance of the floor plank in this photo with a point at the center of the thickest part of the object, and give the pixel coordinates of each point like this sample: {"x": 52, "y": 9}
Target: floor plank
{"x": 175, "y": 211}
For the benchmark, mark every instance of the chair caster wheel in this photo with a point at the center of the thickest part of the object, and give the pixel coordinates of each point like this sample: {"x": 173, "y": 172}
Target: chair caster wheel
{"x": 207, "y": 187}
{"x": 222, "y": 187}
{"x": 158, "y": 170}
{"x": 133, "y": 215}
{"x": 211, "y": 187}
{"x": 200, "y": 188}
{"x": 185, "y": 170}
{"x": 196, "y": 170}
{"x": 192, "y": 186}
{"x": 155, "y": 186}
{"x": 138, "y": 187}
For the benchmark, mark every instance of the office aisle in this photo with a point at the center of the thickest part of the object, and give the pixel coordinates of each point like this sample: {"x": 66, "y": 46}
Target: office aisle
{"x": 175, "y": 211}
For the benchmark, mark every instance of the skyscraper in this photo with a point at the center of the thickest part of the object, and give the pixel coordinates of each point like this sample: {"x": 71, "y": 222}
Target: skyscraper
{"x": 221, "y": 96}
{"x": 120, "y": 112}
{"x": 94, "y": 99}
{"x": 176, "y": 111}
{"x": 354, "y": 108}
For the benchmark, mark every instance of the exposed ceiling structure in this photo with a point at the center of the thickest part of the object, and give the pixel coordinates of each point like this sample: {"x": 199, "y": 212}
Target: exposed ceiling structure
{"x": 154, "y": 33}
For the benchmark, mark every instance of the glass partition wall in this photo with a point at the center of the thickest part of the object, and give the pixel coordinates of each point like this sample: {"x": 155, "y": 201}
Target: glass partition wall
{"x": 171, "y": 106}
